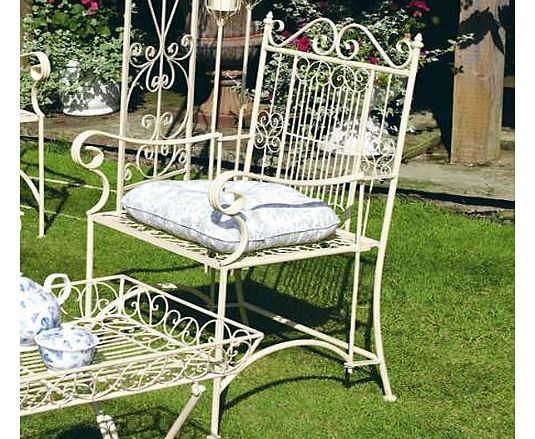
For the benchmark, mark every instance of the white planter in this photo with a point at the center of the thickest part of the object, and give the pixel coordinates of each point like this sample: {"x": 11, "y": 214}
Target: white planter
{"x": 93, "y": 97}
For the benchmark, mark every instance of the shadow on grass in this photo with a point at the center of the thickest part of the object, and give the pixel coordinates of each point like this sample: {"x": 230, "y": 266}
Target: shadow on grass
{"x": 147, "y": 423}
{"x": 244, "y": 396}
{"x": 50, "y": 193}
{"x": 315, "y": 292}
{"x": 62, "y": 194}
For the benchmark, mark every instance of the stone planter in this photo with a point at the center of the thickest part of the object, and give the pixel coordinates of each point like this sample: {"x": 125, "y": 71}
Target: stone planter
{"x": 92, "y": 96}
{"x": 231, "y": 66}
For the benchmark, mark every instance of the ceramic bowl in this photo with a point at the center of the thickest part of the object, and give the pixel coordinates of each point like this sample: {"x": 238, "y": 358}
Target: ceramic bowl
{"x": 66, "y": 347}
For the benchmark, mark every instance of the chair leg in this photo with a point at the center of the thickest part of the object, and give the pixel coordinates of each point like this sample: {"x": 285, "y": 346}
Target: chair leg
{"x": 239, "y": 296}
{"x": 89, "y": 248}
{"x": 219, "y": 334}
{"x": 41, "y": 201}
{"x": 212, "y": 285}
{"x": 378, "y": 337}
{"x": 353, "y": 316}
{"x": 105, "y": 423}
{"x": 89, "y": 264}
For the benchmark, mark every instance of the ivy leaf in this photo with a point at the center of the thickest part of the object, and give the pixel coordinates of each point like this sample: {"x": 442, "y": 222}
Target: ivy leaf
{"x": 77, "y": 9}
{"x": 60, "y": 18}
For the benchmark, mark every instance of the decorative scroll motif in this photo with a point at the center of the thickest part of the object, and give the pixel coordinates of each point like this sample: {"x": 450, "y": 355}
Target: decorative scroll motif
{"x": 344, "y": 43}
{"x": 379, "y": 163}
{"x": 268, "y": 131}
{"x": 103, "y": 293}
{"x": 157, "y": 69}
{"x": 148, "y": 339}
{"x": 152, "y": 161}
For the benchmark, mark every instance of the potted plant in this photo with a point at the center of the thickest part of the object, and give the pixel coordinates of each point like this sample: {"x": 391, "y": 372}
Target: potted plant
{"x": 83, "y": 41}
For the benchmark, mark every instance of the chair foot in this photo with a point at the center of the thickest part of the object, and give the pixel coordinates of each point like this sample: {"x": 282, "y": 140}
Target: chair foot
{"x": 390, "y": 398}
{"x": 107, "y": 427}
{"x": 211, "y": 436}
{"x": 347, "y": 379}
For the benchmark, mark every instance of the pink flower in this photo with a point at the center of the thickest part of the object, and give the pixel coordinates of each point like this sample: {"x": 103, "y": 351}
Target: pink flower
{"x": 417, "y": 14}
{"x": 303, "y": 43}
{"x": 93, "y": 6}
{"x": 51, "y": 2}
{"x": 373, "y": 59}
{"x": 85, "y": 2}
{"x": 419, "y": 4}
{"x": 286, "y": 34}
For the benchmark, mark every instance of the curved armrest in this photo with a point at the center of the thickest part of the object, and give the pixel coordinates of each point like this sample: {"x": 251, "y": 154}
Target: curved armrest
{"x": 98, "y": 155}
{"x": 38, "y": 73}
{"x": 218, "y": 187}
{"x": 41, "y": 70}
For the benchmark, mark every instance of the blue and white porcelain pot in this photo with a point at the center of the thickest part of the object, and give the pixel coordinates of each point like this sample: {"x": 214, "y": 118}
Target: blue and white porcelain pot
{"x": 39, "y": 309}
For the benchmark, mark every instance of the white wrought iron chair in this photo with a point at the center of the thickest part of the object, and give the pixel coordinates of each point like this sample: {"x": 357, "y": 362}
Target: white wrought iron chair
{"x": 39, "y": 72}
{"x": 323, "y": 129}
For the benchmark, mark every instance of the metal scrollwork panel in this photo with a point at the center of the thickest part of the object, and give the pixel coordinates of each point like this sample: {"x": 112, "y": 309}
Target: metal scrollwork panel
{"x": 156, "y": 69}
{"x": 352, "y": 42}
{"x": 332, "y": 101}
{"x": 153, "y": 161}
{"x": 148, "y": 339}
{"x": 157, "y": 61}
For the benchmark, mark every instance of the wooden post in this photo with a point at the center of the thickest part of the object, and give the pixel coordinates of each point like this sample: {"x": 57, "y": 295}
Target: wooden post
{"x": 478, "y": 86}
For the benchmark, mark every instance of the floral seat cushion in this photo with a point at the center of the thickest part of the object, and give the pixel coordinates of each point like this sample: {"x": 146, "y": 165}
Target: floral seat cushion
{"x": 275, "y": 215}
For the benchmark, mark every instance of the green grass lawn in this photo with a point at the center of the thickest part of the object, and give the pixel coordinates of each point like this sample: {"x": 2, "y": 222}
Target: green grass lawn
{"x": 448, "y": 328}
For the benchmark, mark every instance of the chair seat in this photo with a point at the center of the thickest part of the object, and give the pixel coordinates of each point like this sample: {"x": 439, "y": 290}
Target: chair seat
{"x": 339, "y": 242}
{"x": 28, "y": 116}
{"x": 276, "y": 215}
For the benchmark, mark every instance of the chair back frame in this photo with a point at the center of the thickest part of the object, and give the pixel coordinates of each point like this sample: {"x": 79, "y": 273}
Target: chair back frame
{"x": 156, "y": 68}
{"x": 331, "y": 120}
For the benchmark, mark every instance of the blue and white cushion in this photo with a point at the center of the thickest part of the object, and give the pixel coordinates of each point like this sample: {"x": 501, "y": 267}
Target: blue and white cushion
{"x": 275, "y": 215}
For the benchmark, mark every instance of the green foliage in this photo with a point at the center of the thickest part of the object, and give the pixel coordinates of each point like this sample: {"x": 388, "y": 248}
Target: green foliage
{"x": 71, "y": 30}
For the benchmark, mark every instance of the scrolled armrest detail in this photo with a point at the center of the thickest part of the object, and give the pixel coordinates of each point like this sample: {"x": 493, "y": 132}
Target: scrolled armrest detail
{"x": 234, "y": 209}
{"x": 217, "y": 188}
{"x": 38, "y": 73}
{"x": 97, "y": 158}
{"x": 97, "y": 155}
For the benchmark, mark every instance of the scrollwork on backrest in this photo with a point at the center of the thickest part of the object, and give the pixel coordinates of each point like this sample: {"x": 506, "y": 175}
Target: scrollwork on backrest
{"x": 156, "y": 161}
{"x": 154, "y": 69}
{"x": 332, "y": 104}
{"x": 343, "y": 42}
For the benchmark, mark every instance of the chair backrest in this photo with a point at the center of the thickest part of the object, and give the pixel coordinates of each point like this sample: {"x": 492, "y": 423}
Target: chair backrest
{"x": 330, "y": 103}
{"x": 150, "y": 71}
